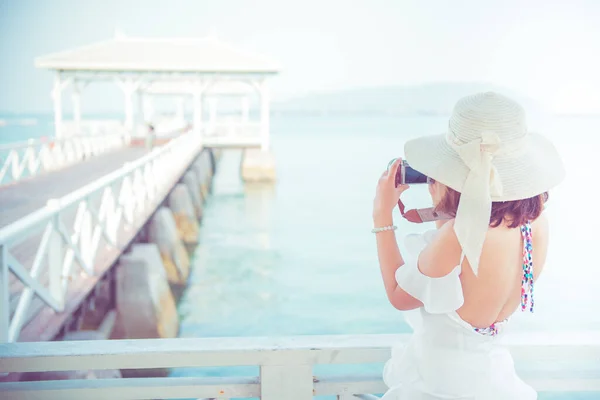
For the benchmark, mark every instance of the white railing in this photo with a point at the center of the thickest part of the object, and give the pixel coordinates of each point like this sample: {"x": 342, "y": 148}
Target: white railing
{"x": 98, "y": 214}
{"x": 232, "y": 134}
{"x": 92, "y": 127}
{"x": 233, "y": 128}
{"x": 285, "y": 366}
{"x": 27, "y": 159}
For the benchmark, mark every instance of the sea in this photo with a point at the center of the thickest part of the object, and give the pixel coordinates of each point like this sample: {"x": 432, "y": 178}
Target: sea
{"x": 298, "y": 257}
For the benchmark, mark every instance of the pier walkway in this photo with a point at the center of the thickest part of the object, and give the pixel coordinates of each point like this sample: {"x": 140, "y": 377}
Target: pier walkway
{"x": 73, "y": 204}
{"x": 24, "y": 197}
{"x": 61, "y": 231}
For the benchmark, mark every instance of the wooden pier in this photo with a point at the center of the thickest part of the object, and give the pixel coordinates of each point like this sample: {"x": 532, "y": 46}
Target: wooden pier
{"x": 73, "y": 204}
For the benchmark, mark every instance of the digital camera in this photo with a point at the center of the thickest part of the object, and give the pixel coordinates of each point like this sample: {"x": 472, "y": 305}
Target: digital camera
{"x": 406, "y": 175}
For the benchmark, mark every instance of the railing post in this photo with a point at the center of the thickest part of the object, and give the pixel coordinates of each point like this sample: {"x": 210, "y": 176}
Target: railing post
{"x": 112, "y": 213}
{"x": 56, "y": 258}
{"x": 85, "y": 235}
{"x": 290, "y": 382}
{"x": 4, "y": 298}
{"x": 15, "y": 165}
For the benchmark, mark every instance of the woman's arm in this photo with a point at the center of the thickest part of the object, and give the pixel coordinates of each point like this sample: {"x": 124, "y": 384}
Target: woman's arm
{"x": 390, "y": 259}
{"x": 388, "y": 253}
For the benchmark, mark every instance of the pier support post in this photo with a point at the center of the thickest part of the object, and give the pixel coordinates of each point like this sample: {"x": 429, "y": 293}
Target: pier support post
{"x": 258, "y": 166}
{"x": 145, "y": 305}
{"x": 181, "y": 204}
{"x": 191, "y": 181}
{"x": 162, "y": 231}
{"x": 203, "y": 175}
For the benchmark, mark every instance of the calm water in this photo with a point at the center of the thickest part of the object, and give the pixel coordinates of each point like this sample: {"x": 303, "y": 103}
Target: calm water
{"x": 298, "y": 258}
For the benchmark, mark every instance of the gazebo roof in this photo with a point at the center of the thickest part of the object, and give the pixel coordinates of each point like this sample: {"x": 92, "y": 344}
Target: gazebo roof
{"x": 128, "y": 54}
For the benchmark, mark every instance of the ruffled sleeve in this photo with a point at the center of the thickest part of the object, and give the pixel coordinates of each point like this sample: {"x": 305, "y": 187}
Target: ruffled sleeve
{"x": 438, "y": 295}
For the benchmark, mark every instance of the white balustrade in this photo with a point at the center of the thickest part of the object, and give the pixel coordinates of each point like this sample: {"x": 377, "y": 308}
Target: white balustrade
{"x": 27, "y": 159}
{"x": 97, "y": 215}
{"x": 285, "y": 366}
{"x": 233, "y": 134}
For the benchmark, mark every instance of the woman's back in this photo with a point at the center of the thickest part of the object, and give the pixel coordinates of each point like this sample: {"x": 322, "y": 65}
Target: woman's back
{"x": 495, "y": 293}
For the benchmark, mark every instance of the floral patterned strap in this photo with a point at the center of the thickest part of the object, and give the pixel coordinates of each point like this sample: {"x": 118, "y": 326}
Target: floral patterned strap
{"x": 492, "y": 330}
{"x": 527, "y": 281}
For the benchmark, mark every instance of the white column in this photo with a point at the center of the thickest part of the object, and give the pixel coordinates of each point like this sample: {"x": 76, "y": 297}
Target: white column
{"x": 76, "y": 98}
{"x": 197, "y": 123}
{"x": 180, "y": 108}
{"x": 57, "y": 100}
{"x": 129, "y": 87}
{"x": 140, "y": 107}
{"x": 129, "y": 110}
{"x": 264, "y": 116}
{"x": 245, "y": 109}
{"x": 212, "y": 108}
{"x": 148, "y": 107}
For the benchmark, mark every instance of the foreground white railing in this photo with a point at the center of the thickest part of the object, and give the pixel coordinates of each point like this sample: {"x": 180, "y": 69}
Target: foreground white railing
{"x": 285, "y": 366}
{"x": 30, "y": 158}
{"x": 97, "y": 213}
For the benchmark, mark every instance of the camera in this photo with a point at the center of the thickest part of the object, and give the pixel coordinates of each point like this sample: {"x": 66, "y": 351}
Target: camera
{"x": 406, "y": 175}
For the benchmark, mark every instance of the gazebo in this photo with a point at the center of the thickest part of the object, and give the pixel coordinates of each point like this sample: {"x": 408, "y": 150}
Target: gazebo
{"x": 192, "y": 68}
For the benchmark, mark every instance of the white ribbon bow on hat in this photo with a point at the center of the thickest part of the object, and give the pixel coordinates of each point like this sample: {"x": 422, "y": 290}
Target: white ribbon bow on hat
{"x": 475, "y": 206}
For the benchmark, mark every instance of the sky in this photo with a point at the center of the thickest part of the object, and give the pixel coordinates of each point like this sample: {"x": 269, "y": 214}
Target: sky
{"x": 548, "y": 50}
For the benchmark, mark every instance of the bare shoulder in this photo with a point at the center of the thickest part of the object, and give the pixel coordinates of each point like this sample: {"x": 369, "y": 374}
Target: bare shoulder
{"x": 442, "y": 255}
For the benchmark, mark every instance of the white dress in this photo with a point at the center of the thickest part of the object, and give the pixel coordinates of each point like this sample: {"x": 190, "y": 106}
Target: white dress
{"x": 446, "y": 358}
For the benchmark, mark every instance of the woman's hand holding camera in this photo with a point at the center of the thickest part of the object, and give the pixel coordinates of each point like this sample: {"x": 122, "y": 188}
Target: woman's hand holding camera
{"x": 387, "y": 195}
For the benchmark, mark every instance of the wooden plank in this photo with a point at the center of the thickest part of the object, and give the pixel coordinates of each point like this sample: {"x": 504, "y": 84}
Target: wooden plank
{"x": 194, "y": 352}
{"x": 132, "y": 388}
{"x": 225, "y": 387}
{"x": 239, "y": 351}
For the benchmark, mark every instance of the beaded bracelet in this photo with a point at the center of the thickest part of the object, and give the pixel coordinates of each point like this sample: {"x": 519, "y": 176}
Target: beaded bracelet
{"x": 384, "y": 228}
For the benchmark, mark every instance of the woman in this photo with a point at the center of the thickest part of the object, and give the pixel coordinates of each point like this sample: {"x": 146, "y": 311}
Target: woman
{"x": 466, "y": 278}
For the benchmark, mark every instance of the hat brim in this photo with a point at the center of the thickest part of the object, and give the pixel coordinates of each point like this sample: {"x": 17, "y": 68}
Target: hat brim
{"x": 533, "y": 170}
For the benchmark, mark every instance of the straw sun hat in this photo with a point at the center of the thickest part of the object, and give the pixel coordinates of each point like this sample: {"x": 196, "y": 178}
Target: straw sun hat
{"x": 487, "y": 155}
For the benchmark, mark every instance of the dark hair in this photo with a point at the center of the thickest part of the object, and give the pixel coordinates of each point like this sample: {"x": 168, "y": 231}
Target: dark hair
{"x": 515, "y": 213}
